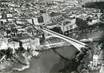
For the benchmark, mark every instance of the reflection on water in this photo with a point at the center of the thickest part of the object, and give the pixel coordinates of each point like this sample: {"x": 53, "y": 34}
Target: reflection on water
{"x": 46, "y": 62}
{"x": 49, "y": 62}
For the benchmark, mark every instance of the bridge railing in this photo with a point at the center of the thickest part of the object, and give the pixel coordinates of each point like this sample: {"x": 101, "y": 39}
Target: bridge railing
{"x": 77, "y": 44}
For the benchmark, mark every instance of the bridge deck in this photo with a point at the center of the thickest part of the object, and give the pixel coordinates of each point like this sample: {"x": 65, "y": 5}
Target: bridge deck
{"x": 72, "y": 41}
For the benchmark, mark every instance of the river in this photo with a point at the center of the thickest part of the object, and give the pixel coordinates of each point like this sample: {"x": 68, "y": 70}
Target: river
{"x": 49, "y": 62}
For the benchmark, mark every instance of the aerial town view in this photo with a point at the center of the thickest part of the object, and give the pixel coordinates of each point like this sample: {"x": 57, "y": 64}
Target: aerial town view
{"x": 51, "y": 36}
